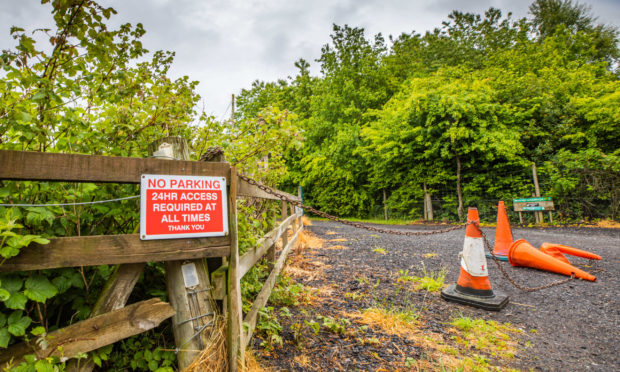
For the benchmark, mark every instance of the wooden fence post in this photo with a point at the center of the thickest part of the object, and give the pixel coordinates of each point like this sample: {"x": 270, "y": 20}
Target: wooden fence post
{"x": 113, "y": 297}
{"x": 194, "y": 308}
{"x": 292, "y": 212}
{"x": 428, "y": 205}
{"x": 538, "y": 214}
{"x": 385, "y": 207}
{"x": 285, "y": 235}
{"x": 300, "y": 222}
{"x": 236, "y": 344}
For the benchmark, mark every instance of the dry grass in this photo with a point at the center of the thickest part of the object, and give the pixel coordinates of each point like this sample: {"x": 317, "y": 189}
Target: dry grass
{"x": 309, "y": 240}
{"x": 610, "y": 224}
{"x": 306, "y": 221}
{"x": 251, "y": 364}
{"x": 213, "y": 357}
{"x": 389, "y": 323}
{"x": 336, "y": 247}
{"x": 302, "y": 360}
{"x": 331, "y": 233}
{"x": 304, "y": 266}
{"x": 338, "y": 240}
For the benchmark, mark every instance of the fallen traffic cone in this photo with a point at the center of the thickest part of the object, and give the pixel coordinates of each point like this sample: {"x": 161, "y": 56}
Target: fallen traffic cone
{"x": 473, "y": 286}
{"x": 503, "y": 234}
{"x": 558, "y": 251}
{"x": 522, "y": 253}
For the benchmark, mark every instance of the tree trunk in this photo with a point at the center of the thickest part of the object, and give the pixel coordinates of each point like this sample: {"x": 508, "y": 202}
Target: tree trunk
{"x": 385, "y": 208}
{"x": 428, "y": 205}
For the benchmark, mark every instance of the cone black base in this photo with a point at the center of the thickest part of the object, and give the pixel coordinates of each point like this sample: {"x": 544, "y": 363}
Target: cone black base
{"x": 494, "y": 303}
{"x": 501, "y": 258}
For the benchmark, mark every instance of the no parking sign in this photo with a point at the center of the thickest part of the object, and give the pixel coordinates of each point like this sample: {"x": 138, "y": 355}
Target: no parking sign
{"x": 174, "y": 207}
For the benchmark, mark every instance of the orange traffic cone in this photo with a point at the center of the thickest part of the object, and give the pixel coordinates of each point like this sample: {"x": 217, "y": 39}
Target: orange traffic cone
{"x": 522, "y": 253}
{"x": 558, "y": 251}
{"x": 503, "y": 234}
{"x": 473, "y": 286}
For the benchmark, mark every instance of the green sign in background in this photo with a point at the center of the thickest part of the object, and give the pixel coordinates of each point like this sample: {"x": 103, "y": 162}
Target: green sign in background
{"x": 533, "y": 208}
{"x": 528, "y": 200}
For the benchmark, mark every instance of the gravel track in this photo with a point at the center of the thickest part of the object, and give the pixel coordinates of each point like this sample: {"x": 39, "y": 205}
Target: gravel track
{"x": 571, "y": 327}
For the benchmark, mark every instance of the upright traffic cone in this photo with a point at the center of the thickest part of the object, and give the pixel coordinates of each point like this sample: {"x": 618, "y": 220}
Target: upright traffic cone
{"x": 473, "y": 286}
{"x": 558, "y": 251}
{"x": 503, "y": 234}
{"x": 522, "y": 253}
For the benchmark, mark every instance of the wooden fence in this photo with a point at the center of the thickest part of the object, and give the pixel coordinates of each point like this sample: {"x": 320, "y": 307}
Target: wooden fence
{"x": 111, "y": 320}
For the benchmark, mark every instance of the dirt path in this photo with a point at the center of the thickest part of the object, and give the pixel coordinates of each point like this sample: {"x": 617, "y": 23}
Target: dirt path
{"x": 362, "y": 307}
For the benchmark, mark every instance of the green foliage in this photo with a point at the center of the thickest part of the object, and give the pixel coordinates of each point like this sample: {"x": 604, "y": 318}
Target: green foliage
{"x": 431, "y": 281}
{"x": 140, "y": 353}
{"x": 379, "y": 250}
{"x": 269, "y": 327}
{"x": 335, "y": 325}
{"x": 287, "y": 292}
{"x": 10, "y": 241}
{"x": 313, "y": 325}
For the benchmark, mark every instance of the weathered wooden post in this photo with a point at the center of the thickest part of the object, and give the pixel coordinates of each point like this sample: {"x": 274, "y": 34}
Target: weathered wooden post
{"x": 114, "y": 296}
{"x": 284, "y": 210}
{"x": 300, "y": 223}
{"x": 538, "y": 214}
{"x": 236, "y": 343}
{"x": 194, "y": 308}
{"x": 428, "y": 205}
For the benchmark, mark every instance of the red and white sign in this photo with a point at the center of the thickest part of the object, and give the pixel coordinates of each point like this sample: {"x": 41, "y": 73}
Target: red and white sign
{"x": 174, "y": 207}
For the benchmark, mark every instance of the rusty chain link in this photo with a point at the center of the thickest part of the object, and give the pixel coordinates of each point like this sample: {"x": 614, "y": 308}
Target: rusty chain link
{"x": 505, "y": 274}
{"x": 212, "y": 152}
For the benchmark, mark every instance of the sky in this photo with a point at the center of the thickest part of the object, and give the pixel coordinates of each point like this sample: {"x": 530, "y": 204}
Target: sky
{"x": 226, "y": 45}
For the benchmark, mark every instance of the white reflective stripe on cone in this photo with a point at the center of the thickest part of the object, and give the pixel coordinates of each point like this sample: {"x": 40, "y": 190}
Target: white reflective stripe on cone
{"x": 472, "y": 258}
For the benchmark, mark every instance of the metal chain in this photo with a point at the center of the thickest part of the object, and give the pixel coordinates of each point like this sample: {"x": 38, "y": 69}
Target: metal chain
{"x": 358, "y": 225}
{"x": 505, "y": 274}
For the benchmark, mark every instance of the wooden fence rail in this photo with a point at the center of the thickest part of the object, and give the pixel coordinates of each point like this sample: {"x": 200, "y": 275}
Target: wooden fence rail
{"x": 112, "y": 321}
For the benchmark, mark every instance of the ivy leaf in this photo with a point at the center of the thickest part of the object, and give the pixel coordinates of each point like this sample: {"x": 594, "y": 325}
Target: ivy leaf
{"x": 43, "y": 366}
{"x": 17, "y": 301}
{"x": 18, "y": 323}
{"x": 5, "y": 337}
{"x": 39, "y": 288}
{"x": 12, "y": 283}
{"x": 97, "y": 360}
{"x": 153, "y": 365}
{"x": 9, "y": 251}
{"x": 38, "y": 331}
{"x": 4, "y": 295}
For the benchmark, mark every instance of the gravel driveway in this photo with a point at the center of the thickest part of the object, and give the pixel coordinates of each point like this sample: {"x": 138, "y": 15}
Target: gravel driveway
{"x": 570, "y": 327}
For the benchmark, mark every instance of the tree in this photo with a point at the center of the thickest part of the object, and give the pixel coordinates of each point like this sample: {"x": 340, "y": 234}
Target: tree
{"x": 551, "y": 16}
{"x": 450, "y": 121}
